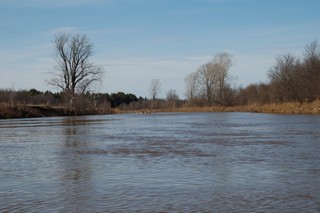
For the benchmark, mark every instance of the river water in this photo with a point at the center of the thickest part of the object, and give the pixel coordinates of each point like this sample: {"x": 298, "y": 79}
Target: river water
{"x": 166, "y": 162}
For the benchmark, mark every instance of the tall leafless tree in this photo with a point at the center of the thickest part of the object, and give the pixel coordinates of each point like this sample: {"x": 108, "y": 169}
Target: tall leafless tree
{"x": 222, "y": 63}
{"x": 154, "y": 90}
{"x": 191, "y": 83}
{"x": 207, "y": 81}
{"x": 75, "y": 72}
{"x": 212, "y": 77}
{"x": 172, "y": 97}
{"x": 283, "y": 78}
{"x": 312, "y": 70}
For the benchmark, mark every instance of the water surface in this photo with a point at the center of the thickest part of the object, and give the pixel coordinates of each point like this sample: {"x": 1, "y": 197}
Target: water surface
{"x": 181, "y": 162}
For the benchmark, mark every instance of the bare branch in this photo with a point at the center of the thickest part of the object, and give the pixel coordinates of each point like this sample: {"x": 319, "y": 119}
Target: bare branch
{"x": 74, "y": 71}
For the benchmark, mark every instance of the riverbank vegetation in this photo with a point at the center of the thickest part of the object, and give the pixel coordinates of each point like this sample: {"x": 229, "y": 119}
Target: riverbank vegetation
{"x": 34, "y": 103}
{"x": 293, "y": 88}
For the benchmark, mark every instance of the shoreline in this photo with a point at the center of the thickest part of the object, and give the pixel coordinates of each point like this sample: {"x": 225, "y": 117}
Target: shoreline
{"x": 291, "y": 108}
{"x": 37, "y": 111}
{"x": 33, "y": 111}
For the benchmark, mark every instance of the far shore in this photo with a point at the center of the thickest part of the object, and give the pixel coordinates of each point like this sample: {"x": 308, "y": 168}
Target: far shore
{"x": 34, "y": 111}
{"x": 276, "y": 108}
{"x": 31, "y": 111}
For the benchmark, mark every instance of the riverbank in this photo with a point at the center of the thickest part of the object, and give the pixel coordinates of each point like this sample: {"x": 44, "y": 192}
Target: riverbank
{"x": 29, "y": 111}
{"x": 33, "y": 111}
{"x": 284, "y": 108}
{"x": 277, "y": 108}
{"x": 8, "y": 111}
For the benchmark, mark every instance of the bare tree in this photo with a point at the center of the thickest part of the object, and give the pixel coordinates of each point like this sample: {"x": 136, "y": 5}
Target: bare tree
{"x": 285, "y": 78}
{"x": 207, "y": 81}
{"x": 172, "y": 97}
{"x": 75, "y": 73}
{"x": 294, "y": 80}
{"x": 222, "y": 63}
{"x": 154, "y": 90}
{"x": 191, "y": 82}
{"x": 212, "y": 77}
{"x": 312, "y": 71}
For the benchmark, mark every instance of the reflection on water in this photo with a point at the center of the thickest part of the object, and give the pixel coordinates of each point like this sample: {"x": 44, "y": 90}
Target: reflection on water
{"x": 76, "y": 170}
{"x": 194, "y": 162}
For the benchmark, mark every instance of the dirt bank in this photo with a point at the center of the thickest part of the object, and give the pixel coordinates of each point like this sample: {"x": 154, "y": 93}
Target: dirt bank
{"x": 29, "y": 111}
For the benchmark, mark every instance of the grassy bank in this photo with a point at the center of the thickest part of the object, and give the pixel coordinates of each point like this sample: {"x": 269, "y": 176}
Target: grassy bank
{"x": 284, "y": 108}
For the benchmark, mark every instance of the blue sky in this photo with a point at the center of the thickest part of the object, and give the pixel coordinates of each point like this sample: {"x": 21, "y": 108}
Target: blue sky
{"x": 140, "y": 40}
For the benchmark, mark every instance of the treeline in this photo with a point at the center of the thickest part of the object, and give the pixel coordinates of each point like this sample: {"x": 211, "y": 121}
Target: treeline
{"x": 84, "y": 101}
{"x": 34, "y": 103}
{"x": 295, "y": 79}
{"x": 291, "y": 79}
{"x": 209, "y": 84}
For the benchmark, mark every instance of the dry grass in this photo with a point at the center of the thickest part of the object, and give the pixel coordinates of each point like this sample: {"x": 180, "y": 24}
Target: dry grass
{"x": 285, "y": 108}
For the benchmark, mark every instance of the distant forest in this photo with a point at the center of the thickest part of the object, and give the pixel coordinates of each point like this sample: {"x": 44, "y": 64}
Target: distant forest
{"x": 291, "y": 79}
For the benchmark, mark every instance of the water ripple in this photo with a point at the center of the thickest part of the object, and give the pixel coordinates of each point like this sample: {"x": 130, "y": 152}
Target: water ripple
{"x": 167, "y": 162}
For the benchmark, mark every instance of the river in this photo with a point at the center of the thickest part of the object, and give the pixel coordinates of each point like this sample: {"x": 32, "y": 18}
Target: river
{"x": 166, "y": 162}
